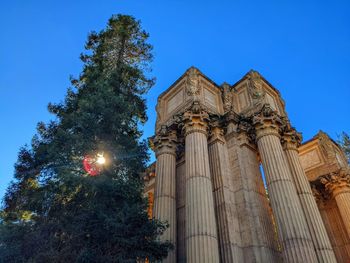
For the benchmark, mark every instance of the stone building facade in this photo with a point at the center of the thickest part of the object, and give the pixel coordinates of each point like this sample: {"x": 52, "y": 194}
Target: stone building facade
{"x": 235, "y": 183}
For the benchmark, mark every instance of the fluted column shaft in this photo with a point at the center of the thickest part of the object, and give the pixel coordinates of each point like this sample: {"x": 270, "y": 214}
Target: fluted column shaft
{"x": 165, "y": 192}
{"x": 291, "y": 225}
{"x": 223, "y": 198}
{"x": 319, "y": 236}
{"x": 343, "y": 203}
{"x": 338, "y": 185}
{"x": 201, "y": 233}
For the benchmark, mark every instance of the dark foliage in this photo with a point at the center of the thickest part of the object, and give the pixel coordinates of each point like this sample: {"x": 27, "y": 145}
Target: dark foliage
{"x": 54, "y": 211}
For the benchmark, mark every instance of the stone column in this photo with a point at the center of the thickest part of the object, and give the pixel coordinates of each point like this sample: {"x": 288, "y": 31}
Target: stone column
{"x": 338, "y": 185}
{"x": 223, "y": 198}
{"x": 291, "y": 224}
{"x": 201, "y": 233}
{"x": 165, "y": 197}
{"x": 319, "y": 236}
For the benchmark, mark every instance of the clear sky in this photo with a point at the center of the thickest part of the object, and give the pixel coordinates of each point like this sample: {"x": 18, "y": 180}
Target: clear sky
{"x": 301, "y": 47}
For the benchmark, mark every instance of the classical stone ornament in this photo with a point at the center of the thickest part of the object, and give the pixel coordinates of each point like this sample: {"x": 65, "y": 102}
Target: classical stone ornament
{"x": 291, "y": 139}
{"x": 210, "y": 188}
{"x": 165, "y": 141}
{"x": 227, "y": 97}
{"x": 192, "y": 83}
{"x": 267, "y": 121}
{"x": 326, "y": 144}
{"x": 255, "y": 86}
{"x": 337, "y": 181}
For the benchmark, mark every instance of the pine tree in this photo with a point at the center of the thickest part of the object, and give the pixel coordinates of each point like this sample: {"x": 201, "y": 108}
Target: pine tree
{"x": 54, "y": 210}
{"x": 344, "y": 141}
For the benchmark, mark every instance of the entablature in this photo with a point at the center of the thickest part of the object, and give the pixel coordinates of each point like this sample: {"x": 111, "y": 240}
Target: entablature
{"x": 321, "y": 156}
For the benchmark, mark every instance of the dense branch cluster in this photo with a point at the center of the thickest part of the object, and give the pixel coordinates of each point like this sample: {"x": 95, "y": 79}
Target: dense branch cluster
{"x": 53, "y": 211}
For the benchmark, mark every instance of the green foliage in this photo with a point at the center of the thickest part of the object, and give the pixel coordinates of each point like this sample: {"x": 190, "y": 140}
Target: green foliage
{"x": 344, "y": 141}
{"x": 53, "y": 211}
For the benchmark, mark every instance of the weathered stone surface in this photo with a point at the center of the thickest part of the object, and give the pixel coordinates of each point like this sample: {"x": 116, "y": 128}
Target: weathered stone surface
{"x": 208, "y": 183}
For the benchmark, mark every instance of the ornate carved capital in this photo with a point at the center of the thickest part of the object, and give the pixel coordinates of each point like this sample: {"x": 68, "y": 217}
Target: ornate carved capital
{"x": 291, "y": 139}
{"x": 216, "y": 132}
{"x": 165, "y": 141}
{"x": 267, "y": 122}
{"x": 195, "y": 120}
{"x": 338, "y": 182}
{"x": 245, "y": 131}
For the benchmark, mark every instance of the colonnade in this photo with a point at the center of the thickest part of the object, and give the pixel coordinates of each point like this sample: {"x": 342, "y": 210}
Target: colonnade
{"x": 302, "y": 235}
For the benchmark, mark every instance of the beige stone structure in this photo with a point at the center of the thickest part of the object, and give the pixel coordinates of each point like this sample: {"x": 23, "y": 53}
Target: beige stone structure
{"x": 215, "y": 148}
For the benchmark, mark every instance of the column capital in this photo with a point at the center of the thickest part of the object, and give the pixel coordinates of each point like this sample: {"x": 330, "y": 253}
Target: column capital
{"x": 165, "y": 141}
{"x": 195, "y": 120}
{"x": 337, "y": 182}
{"x": 267, "y": 122}
{"x": 245, "y": 133}
{"x": 216, "y": 132}
{"x": 291, "y": 139}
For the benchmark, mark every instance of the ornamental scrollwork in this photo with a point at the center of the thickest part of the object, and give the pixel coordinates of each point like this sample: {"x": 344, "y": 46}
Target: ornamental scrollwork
{"x": 337, "y": 182}
{"x": 227, "y": 97}
{"x": 255, "y": 86}
{"x": 192, "y": 82}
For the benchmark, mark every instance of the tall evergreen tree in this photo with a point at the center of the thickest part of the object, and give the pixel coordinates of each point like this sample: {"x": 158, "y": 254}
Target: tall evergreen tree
{"x": 57, "y": 211}
{"x": 344, "y": 141}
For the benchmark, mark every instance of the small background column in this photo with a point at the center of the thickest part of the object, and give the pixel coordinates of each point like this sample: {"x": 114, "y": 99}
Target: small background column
{"x": 313, "y": 218}
{"x": 338, "y": 185}
{"x": 165, "y": 192}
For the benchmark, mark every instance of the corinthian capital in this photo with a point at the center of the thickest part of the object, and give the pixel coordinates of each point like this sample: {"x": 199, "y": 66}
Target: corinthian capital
{"x": 216, "y": 132}
{"x": 195, "y": 120}
{"x": 291, "y": 139}
{"x": 267, "y": 122}
{"x": 165, "y": 141}
{"x": 337, "y": 182}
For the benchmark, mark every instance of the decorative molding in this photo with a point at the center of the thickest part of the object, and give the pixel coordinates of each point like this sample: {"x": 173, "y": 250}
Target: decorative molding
{"x": 267, "y": 122}
{"x": 326, "y": 144}
{"x": 216, "y": 131}
{"x": 165, "y": 141}
{"x": 227, "y": 97}
{"x": 195, "y": 120}
{"x": 192, "y": 82}
{"x": 291, "y": 139}
{"x": 255, "y": 87}
{"x": 337, "y": 182}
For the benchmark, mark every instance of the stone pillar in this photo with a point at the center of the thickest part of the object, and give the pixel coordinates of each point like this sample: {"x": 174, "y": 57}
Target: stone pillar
{"x": 338, "y": 185}
{"x": 319, "y": 236}
{"x": 291, "y": 224}
{"x": 223, "y": 198}
{"x": 165, "y": 197}
{"x": 201, "y": 233}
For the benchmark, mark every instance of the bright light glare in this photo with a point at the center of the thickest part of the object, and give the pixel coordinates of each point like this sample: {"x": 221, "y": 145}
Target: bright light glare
{"x": 100, "y": 159}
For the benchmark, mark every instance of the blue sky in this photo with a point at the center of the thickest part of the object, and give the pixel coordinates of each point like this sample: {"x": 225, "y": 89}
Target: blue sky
{"x": 301, "y": 47}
